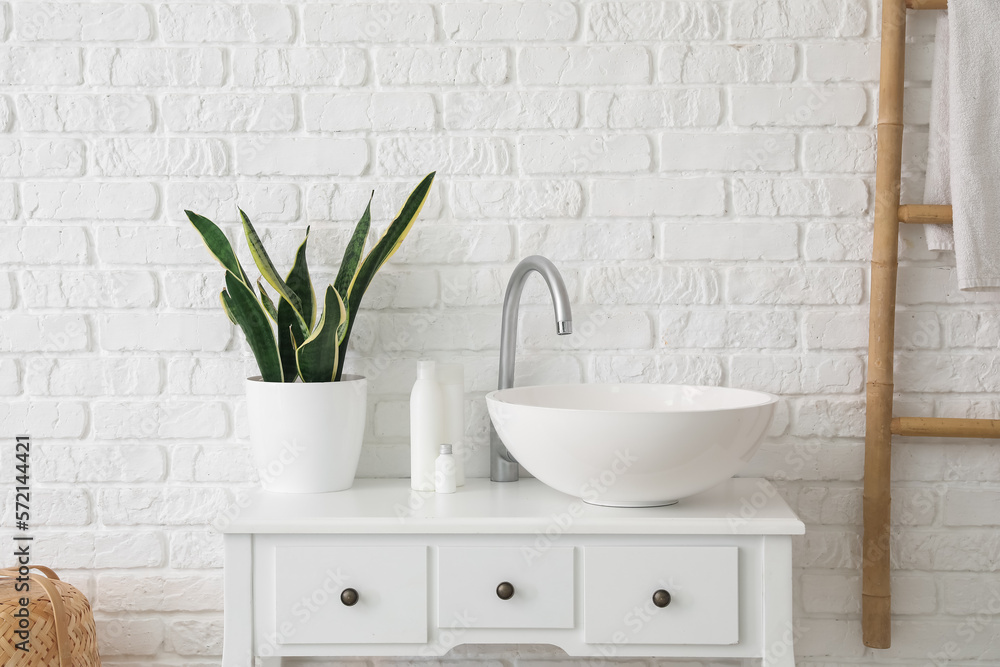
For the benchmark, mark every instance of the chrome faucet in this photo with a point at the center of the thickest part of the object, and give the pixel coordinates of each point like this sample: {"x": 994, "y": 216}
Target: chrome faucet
{"x": 503, "y": 467}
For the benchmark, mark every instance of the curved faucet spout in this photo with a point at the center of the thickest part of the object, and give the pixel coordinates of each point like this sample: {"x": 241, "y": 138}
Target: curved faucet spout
{"x": 503, "y": 467}
{"x": 512, "y": 304}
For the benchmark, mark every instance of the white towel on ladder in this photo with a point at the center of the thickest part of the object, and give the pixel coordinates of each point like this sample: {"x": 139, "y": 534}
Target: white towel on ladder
{"x": 963, "y": 166}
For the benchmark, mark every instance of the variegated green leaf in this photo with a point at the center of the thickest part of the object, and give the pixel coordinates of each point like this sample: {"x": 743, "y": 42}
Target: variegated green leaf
{"x": 383, "y": 250}
{"x": 265, "y": 301}
{"x": 218, "y": 244}
{"x": 252, "y": 319}
{"x": 224, "y": 298}
{"x": 342, "y": 329}
{"x": 290, "y": 336}
{"x": 355, "y": 250}
{"x": 390, "y": 241}
{"x": 267, "y": 269}
{"x": 299, "y": 282}
{"x": 407, "y": 215}
{"x": 319, "y": 356}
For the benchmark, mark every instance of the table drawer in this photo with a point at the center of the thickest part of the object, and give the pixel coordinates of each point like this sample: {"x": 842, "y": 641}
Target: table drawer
{"x": 541, "y": 585}
{"x": 702, "y": 605}
{"x": 391, "y": 587}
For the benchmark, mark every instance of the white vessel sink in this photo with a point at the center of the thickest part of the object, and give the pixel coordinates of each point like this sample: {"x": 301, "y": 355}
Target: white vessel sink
{"x": 631, "y": 445}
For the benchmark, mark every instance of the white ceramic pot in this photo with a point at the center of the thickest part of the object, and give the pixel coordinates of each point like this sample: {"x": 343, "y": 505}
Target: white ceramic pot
{"x": 307, "y": 436}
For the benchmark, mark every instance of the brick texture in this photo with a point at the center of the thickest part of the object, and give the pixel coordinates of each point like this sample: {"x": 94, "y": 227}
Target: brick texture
{"x": 702, "y": 171}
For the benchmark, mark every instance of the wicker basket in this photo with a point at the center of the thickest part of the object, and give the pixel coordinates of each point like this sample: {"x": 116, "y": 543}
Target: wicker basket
{"x": 61, "y": 624}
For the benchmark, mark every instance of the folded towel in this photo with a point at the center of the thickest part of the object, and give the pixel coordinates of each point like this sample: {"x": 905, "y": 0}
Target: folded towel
{"x": 964, "y": 161}
{"x": 937, "y": 186}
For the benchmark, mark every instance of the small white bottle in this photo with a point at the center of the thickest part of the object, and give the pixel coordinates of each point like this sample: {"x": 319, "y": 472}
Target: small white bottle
{"x": 427, "y": 405}
{"x": 452, "y": 380}
{"x": 444, "y": 471}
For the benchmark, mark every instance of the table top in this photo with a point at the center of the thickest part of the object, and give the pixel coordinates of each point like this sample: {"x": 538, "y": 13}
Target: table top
{"x": 739, "y": 506}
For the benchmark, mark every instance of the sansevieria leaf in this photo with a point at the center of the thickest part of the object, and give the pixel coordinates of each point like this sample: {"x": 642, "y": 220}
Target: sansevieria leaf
{"x": 355, "y": 250}
{"x": 342, "y": 328}
{"x": 224, "y": 298}
{"x": 301, "y": 285}
{"x": 265, "y": 301}
{"x": 319, "y": 356}
{"x": 389, "y": 243}
{"x": 218, "y": 244}
{"x": 266, "y": 267}
{"x": 290, "y": 336}
{"x": 407, "y": 215}
{"x": 252, "y": 318}
{"x": 383, "y": 250}
{"x": 301, "y": 347}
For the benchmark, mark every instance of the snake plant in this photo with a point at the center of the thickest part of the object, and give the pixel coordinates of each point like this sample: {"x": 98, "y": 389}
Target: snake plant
{"x": 286, "y": 339}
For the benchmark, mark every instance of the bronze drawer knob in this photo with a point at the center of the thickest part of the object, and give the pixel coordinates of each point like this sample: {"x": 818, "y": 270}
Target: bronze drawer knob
{"x": 505, "y": 591}
{"x": 661, "y": 598}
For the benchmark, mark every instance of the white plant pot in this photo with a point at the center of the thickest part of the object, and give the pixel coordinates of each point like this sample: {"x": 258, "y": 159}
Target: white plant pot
{"x": 307, "y": 436}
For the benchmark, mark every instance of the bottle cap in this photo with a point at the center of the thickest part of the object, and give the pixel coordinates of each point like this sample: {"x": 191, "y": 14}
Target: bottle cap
{"x": 446, "y": 449}
{"x": 426, "y": 369}
{"x": 452, "y": 373}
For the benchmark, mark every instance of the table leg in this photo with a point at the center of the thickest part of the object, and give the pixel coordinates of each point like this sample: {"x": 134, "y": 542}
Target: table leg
{"x": 237, "y": 642}
{"x": 779, "y": 629}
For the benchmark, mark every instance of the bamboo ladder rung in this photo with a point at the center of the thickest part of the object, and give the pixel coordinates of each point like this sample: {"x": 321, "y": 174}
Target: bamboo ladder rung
{"x": 927, "y": 4}
{"x": 946, "y": 428}
{"x": 925, "y": 215}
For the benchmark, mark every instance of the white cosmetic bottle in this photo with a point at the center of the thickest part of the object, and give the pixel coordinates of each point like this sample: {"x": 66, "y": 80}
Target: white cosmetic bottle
{"x": 444, "y": 471}
{"x": 452, "y": 380}
{"x": 427, "y": 418}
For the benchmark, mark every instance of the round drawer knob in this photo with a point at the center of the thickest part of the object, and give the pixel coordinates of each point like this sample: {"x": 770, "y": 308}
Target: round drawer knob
{"x": 661, "y": 598}
{"x": 349, "y": 597}
{"x": 505, "y": 591}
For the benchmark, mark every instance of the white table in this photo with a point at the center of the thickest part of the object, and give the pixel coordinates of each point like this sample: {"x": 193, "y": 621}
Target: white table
{"x": 383, "y": 570}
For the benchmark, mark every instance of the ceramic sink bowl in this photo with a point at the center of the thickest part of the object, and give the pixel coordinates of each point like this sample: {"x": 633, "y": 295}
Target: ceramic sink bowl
{"x": 631, "y": 445}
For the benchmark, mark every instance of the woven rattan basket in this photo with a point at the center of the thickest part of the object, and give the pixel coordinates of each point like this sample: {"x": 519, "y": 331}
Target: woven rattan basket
{"x": 61, "y": 625}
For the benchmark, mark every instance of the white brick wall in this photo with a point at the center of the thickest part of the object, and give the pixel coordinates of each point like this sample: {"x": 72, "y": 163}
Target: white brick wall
{"x": 700, "y": 170}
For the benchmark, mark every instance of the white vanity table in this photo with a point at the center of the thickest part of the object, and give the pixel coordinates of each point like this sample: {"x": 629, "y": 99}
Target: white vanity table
{"x": 382, "y": 570}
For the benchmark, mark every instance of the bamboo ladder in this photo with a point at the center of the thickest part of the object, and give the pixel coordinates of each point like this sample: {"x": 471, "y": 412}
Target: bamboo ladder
{"x": 880, "y": 425}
